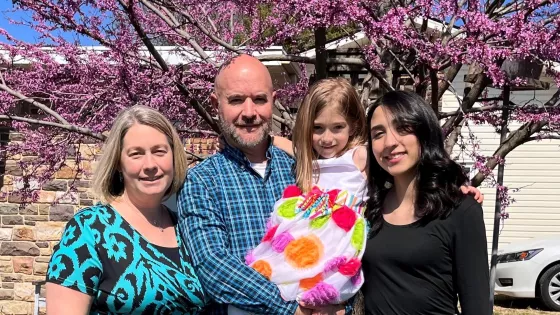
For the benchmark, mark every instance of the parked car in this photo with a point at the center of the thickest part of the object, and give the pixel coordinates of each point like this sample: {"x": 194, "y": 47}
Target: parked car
{"x": 531, "y": 269}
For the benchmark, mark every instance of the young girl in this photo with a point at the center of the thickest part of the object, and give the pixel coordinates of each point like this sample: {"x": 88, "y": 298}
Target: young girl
{"x": 316, "y": 234}
{"x": 428, "y": 241}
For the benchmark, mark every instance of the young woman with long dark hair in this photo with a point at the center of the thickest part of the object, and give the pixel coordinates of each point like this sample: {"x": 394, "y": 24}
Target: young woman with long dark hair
{"x": 428, "y": 242}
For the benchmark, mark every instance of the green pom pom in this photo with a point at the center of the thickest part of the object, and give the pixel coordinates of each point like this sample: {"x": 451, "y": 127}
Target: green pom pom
{"x": 319, "y": 222}
{"x": 357, "y": 239}
{"x": 288, "y": 208}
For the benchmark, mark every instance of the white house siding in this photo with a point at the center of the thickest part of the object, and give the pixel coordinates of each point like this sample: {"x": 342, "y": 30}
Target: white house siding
{"x": 533, "y": 167}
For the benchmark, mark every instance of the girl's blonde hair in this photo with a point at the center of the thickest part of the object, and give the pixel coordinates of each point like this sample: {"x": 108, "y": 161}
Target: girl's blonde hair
{"x": 107, "y": 183}
{"x": 327, "y": 94}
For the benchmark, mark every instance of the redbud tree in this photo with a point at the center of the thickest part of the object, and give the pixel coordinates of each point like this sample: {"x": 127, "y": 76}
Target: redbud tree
{"x": 58, "y": 94}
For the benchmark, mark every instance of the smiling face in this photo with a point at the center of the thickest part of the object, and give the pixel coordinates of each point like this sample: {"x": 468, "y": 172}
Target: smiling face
{"x": 395, "y": 149}
{"x": 331, "y": 133}
{"x": 244, "y": 95}
{"x": 146, "y": 162}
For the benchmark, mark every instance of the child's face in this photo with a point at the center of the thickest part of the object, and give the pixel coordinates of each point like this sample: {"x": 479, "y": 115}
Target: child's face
{"x": 330, "y": 134}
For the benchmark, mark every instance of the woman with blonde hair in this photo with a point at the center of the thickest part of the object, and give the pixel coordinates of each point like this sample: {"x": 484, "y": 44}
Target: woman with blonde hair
{"x": 125, "y": 255}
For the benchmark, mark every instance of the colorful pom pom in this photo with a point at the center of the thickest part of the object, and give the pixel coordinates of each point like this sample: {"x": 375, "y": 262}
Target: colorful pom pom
{"x": 333, "y": 264}
{"x": 321, "y": 294}
{"x": 288, "y": 208}
{"x": 357, "y": 239}
{"x": 308, "y": 283}
{"x": 344, "y": 218}
{"x": 304, "y": 252}
{"x": 319, "y": 222}
{"x": 291, "y": 191}
{"x": 280, "y": 242}
{"x": 263, "y": 268}
{"x": 350, "y": 268}
{"x": 357, "y": 280}
{"x": 270, "y": 234}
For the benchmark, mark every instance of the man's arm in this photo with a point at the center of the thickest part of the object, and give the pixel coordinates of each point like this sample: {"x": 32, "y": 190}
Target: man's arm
{"x": 226, "y": 279}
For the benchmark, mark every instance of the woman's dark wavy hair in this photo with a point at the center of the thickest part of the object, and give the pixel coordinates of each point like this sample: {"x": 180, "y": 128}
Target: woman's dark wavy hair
{"x": 438, "y": 178}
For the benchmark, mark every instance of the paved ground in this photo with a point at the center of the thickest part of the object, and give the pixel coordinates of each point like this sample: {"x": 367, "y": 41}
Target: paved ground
{"x": 507, "y": 306}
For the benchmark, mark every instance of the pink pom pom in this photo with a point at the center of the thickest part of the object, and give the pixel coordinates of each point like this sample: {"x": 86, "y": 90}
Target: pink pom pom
{"x": 321, "y": 294}
{"x": 344, "y": 218}
{"x": 350, "y": 268}
{"x": 332, "y": 195}
{"x": 291, "y": 191}
{"x": 281, "y": 241}
{"x": 269, "y": 234}
{"x": 357, "y": 280}
{"x": 334, "y": 263}
{"x": 249, "y": 258}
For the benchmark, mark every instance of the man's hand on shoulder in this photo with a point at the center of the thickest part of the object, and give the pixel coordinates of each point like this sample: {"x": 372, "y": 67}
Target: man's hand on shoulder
{"x": 470, "y": 190}
{"x": 360, "y": 158}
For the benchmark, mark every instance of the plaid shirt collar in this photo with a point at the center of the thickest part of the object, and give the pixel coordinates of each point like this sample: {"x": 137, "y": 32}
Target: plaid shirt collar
{"x": 239, "y": 157}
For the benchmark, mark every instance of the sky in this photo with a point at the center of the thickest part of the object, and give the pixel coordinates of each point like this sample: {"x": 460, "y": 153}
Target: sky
{"x": 25, "y": 33}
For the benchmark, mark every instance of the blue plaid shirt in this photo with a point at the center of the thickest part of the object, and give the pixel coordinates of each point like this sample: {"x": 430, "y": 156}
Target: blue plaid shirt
{"x": 223, "y": 208}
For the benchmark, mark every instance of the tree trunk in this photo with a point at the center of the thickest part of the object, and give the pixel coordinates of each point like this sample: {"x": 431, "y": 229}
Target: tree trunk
{"x": 320, "y": 53}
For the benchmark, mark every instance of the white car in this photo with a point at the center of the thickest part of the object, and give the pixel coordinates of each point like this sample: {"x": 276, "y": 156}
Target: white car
{"x": 531, "y": 269}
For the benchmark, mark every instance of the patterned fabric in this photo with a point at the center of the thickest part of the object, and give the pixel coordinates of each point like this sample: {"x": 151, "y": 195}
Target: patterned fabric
{"x": 101, "y": 254}
{"x": 313, "y": 247}
{"x": 223, "y": 209}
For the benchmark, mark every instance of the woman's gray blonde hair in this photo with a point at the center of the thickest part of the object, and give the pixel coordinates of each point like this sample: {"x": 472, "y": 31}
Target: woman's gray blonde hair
{"x": 107, "y": 183}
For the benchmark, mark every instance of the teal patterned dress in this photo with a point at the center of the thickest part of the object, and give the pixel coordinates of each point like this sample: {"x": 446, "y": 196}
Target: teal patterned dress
{"x": 102, "y": 255}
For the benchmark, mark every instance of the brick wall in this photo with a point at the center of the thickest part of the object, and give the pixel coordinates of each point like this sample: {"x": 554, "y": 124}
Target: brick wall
{"x": 29, "y": 233}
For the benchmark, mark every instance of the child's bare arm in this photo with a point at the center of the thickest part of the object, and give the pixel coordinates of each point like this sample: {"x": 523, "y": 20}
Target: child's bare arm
{"x": 283, "y": 144}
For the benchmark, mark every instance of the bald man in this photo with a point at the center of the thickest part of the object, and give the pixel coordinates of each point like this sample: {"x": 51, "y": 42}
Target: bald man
{"x": 227, "y": 199}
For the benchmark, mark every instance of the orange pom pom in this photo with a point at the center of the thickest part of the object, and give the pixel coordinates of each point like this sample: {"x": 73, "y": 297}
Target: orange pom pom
{"x": 263, "y": 268}
{"x": 308, "y": 283}
{"x": 304, "y": 252}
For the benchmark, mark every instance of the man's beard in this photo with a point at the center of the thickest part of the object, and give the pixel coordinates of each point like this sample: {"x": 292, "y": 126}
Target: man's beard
{"x": 230, "y": 132}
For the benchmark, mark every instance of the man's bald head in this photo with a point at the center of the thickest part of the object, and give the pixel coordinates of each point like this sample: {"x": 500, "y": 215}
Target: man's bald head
{"x": 239, "y": 66}
{"x": 244, "y": 95}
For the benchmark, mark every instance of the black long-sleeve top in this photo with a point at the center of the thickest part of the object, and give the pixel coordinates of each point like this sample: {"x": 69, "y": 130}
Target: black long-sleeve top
{"x": 420, "y": 268}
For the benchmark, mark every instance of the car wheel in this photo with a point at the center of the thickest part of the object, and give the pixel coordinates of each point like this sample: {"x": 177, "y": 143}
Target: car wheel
{"x": 549, "y": 286}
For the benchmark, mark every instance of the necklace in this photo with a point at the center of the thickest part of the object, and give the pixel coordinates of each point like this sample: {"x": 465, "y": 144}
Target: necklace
{"x": 156, "y": 223}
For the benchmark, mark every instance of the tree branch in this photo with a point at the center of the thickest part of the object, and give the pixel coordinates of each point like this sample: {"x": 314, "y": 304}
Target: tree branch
{"x": 280, "y": 120}
{"x": 489, "y": 108}
{"x": 69, "y": 127}
{"x": 174, "y": 24}
{"x": 151, "y": 48}
{"x": 33, "y": 102}
{"x": 450, "y": 75}
{"x": 198, "y": 131}
{"x": 143, "y": 36}
{"x": 515, "y": 139}
{"x": 434, "y": 84}
{"x": 285, "y": 113}
{"x": 206, "y": 32}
